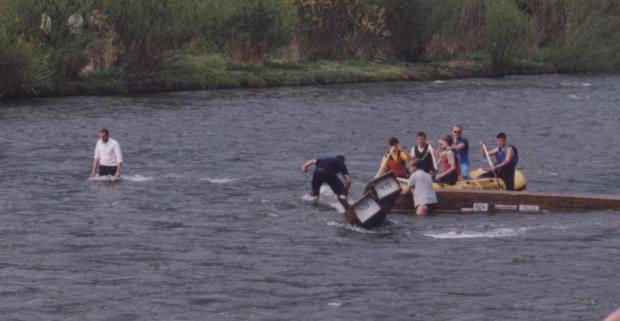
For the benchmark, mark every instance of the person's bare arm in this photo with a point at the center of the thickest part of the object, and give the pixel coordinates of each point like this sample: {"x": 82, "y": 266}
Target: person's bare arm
{"x": 309, "y": 163}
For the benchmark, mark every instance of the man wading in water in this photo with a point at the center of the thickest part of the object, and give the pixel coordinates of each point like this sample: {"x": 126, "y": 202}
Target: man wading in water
{"x": 326, "y": 170}
{"x": 107, "y": 155}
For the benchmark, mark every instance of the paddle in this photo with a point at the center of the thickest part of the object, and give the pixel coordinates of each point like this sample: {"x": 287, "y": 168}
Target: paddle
{"x": 430, "y": 147}
{"x": 486, "y": 152}
{"x": 384, "y": 163}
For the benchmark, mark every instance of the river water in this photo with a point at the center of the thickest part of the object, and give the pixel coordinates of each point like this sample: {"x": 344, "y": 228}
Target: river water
{"x": 211, "y": 220}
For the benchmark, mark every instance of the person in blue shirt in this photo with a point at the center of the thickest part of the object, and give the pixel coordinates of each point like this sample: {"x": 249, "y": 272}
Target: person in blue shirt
{"x": 326, "y": 171}
{"x": 461, "y": 144}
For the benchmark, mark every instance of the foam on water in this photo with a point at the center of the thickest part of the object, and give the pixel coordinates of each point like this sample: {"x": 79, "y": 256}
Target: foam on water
{"x": 496, "y": 233}
{"x": 220, "y": 180}
{"x": 137, "y": 178}
{"x": 106, "y": 178}
{"x": 358, "y": 229}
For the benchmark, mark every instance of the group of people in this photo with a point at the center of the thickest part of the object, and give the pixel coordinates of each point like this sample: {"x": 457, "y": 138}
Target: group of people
{"x": 424, "y": 162}
{"x": 454, "y": 158}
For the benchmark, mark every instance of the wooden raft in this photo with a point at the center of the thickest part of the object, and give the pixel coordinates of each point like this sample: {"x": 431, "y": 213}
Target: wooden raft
{"x": 463, "y": 201}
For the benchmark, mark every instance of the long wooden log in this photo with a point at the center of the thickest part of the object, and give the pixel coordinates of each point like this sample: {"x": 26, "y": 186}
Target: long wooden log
{"x": 497, "y": 201}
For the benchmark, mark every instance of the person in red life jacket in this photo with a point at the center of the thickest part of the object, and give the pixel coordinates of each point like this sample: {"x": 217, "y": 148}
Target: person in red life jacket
{"x": 506, "y": 158}
{"x": 326, "y": 171}
{"x": 422, "y": 153}
{"x": 396, "y": 159}
{"x": 450, "y": 159}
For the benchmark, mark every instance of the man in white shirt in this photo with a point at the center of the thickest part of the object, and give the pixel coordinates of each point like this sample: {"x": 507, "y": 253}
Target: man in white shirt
{"x": 424, "y": 196}
{"x": 107, "y": 155}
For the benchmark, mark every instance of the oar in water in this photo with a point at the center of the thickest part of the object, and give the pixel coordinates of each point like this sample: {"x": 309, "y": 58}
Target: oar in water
{"x": 486, "y": 152}
{"x": 384, "y": 163}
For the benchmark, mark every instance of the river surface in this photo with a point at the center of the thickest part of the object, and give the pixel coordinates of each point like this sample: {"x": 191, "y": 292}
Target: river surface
{"x": 211, "y": 219}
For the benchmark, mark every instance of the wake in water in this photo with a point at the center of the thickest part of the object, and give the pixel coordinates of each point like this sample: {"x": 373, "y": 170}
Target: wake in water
{"x": 505, "y": 232}
{"x": 220, "y": 180}
{"x": 106, "y": 178}
{"x": 327, "y": 198}
{"x": 382, "y": 230}
{"x": 140, "y": 178}
{"x": 484, "y": 232}
{"x": 109, "y": 178}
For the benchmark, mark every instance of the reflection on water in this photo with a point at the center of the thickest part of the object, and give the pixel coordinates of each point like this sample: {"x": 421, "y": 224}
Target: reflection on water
{"x": 211, "y": 219}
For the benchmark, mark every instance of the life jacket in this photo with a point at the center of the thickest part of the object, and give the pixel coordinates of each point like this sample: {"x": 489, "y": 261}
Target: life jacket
{"x": 397, "y": 166}
{"x": 427, "y": 160}
{"x": 457, "y": 159}
{"x": 500, "y": 157}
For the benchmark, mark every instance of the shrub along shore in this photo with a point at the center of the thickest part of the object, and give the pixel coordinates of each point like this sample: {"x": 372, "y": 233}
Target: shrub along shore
{"x": 193, "y": 72}
{"x": 95, "y": 47}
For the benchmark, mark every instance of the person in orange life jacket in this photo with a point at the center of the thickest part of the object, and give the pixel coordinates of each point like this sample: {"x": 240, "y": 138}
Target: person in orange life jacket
{"x": 396, "y": 160}
{"x": 450, "y": 159}
{"x": 506, "y": 158}
{"x": 422, "y": 152}
{"x": 325, "y": 172}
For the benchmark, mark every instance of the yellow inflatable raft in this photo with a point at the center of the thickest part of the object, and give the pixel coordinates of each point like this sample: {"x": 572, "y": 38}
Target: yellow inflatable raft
{"x": 477, "y": 183}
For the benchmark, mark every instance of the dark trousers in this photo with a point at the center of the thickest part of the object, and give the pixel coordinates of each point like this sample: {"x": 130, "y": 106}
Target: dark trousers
{"x": 505, "y": 173}
{"x": 320, "y": 177}
{"x": 449, "y": 179}
{"x": 107, "y": 170}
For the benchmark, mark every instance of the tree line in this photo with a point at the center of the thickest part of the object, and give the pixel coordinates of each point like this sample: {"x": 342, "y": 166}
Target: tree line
{"x": 40, "y": 48}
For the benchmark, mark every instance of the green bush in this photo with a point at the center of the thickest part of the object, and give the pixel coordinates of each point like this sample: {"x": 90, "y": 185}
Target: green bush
{"x": 592, "y": 45}
{"x": 509, "y": 35}
{"x": 24, "y": 70}
{"x": 256, "y": 28}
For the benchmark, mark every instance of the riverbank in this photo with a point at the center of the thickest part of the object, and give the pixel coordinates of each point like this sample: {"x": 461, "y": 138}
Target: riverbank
{"x": 207, "y": 72}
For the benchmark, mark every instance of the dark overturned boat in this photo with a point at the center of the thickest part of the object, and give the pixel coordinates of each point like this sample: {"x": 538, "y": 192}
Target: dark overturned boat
{"x": 379, "y": 197}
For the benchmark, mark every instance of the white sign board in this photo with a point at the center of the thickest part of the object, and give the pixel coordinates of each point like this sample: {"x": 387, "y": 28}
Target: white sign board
{"x": 529, "y": 208}
{"x": 481, "y": 207}
{"x": 506, "y": 207}
{"x": 386, "y": 186}
{"x": 366, "y": 208}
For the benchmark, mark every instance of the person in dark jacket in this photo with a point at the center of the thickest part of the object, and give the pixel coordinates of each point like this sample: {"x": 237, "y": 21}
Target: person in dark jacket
{"x": 326, "y": 171}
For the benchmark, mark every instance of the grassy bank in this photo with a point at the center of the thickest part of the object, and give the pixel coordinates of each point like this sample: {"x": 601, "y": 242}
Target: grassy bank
{"x": 105, "y": 47}
{"x": 203, "y": 72}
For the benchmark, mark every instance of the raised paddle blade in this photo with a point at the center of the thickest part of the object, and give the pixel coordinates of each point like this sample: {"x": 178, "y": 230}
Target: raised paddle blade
{"x": 384, "y": 163}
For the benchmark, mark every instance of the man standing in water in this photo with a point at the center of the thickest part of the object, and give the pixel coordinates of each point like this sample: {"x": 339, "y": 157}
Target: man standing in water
{"x": 424, "y": 196}
{"x": 506, "y": 161}
{"x": 107, "y": 155}
{"x": 325, "y": 172}
{"x": 461, "y": 145}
